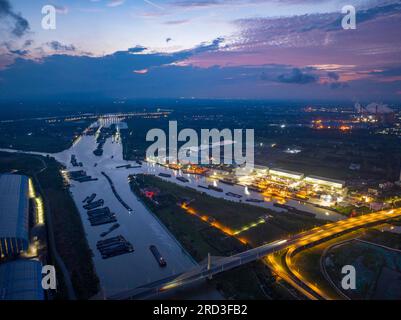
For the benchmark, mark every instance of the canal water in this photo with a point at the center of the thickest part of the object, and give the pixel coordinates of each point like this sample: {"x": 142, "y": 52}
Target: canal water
{"x": 139, "y": 227}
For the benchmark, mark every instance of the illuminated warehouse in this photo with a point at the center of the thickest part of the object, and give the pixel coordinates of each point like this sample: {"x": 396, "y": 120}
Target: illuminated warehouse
{"x": 282, "y": 173}
{"x": 336, "y": 184}
{"x": 21, "y": 280}
{"x": 14, "y": 214}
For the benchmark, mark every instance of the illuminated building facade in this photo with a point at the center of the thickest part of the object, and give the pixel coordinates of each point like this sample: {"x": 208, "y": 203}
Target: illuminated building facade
{"x": 332, "y": 183}
{"x": 14, "y": 214}
{"x": 286, "y": 174}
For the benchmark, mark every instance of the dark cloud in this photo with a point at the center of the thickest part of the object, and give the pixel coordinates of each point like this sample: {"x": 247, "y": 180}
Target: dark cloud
{"x": 136, "y": 49}
{"x": 20, "y": 24}
{"x": 169, "y": 75}
{"x": 22, "y": 51}
{"x": 28, "y": 43}
{"x": 19, "y": 52}
{"x": 58, "y": 46}
{"x": 333, "y": 75}
{"x": 297, "y": 76}
{"x": 368, "y": 14}
{"x": 110, "y": 75}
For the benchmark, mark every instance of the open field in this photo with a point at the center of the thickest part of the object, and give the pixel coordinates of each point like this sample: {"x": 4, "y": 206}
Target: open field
{"x": 232, "y": 215}
{"x": 373, "y": 264}
{"x": 200, "y": 237}
{"x": 377, "y": 268}
{"x": 40, "y": 135}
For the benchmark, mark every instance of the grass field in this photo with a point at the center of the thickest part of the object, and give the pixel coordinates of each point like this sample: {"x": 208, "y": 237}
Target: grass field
{"x": 199, "y": 238}
{"x": 377, "y": 268}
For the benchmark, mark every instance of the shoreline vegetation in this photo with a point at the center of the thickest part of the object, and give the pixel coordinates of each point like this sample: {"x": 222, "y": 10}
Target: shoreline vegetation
{"x": 70, "y": 240}
{"x": 41, "y": 135}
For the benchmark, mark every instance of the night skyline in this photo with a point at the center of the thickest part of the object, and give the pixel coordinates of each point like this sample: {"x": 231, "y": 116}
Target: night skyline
{"x": 201, "y": 49}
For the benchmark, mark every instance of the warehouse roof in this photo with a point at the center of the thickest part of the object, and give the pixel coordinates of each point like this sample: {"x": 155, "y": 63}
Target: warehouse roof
{"x": 21, "y": 280}
{"x": 284, "y": 172}
{"x": 325, "y": 180}
{"x": 14, "y": 206}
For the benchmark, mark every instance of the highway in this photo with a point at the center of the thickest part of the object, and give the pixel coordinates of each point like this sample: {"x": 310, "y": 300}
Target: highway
{"x": 297, "y": 242}
{"x": 284, "y": 267}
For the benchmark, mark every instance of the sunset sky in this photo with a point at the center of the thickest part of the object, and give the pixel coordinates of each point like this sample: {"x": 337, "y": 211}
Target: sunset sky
{"x": 252, "y": 49}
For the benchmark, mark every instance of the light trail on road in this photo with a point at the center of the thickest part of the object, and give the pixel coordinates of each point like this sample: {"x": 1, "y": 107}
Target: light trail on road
{"x": 286, "y": 269}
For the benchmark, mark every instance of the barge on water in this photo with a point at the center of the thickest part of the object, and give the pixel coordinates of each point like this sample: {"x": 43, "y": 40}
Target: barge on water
{"x": 94, "y": 205}
{"x": 254, "y": 200}
{"x": 159, "y": 258}
{"x": 227, "y": 181}
{"x": 235, "y": 195}
{"x": 182, "y": 179}
{"x": 113, "y": 247}
{"x": 90, "y": 198}
{"x": 164, "y": 175}
{"x": 255, "y": 189}
{"x": 211, "y": 187}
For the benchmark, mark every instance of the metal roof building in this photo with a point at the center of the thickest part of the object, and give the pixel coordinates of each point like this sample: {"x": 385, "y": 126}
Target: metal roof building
{"x": 14, "y": 214}
{"x": 21, "y": 280}
{"x": 286, "y": 173}
{"x": 338, "y": 184}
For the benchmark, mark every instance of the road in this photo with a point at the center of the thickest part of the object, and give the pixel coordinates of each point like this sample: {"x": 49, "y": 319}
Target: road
{"x": 292, "y": 244}
{"x": 284, "y": 266}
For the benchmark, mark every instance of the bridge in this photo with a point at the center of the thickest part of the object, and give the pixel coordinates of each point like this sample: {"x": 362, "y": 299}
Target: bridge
{"x": 222, "y": 264}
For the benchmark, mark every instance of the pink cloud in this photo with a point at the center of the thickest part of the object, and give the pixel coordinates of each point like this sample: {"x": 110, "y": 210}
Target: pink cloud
{"x": 142, "y": 71}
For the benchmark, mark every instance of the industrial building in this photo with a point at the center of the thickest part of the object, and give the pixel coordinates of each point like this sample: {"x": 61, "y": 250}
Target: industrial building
{"x": 286, "y": 174}
{"x": 14, "y": 214}
{"x": 261, "y": 170}
{"x": 336, "y": 184}
{"x": 21, "y": 280}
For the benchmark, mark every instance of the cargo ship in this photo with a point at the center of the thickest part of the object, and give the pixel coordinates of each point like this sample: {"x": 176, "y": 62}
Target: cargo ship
{"x": 211, "y": 187}
{"x": 256, "y": 189}
{"x": 227, "y": 181}
{"x": 91, "y": 198}
{"x": 231, "y": 194}
{"x": 182, "y": 179}
{"x": 255, "y": 200}
{"x": 165, "y": 175}
{"x": 94, "y": 205}
{"x": 114, "y": 247}
{"x": 160, "y": 260}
